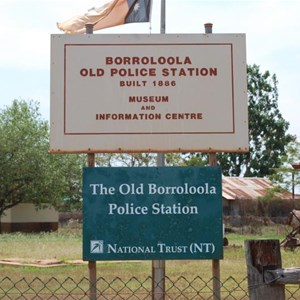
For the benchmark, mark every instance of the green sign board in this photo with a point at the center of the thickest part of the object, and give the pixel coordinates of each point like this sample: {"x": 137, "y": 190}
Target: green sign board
{"x": 152, "y": 213}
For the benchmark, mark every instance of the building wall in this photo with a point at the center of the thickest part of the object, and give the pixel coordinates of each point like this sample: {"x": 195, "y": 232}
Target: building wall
{"x": 25, "y": 218}
{"x": 230, "y": 208}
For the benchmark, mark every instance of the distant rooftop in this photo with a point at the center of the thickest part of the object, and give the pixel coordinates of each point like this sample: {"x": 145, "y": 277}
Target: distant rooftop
{"x": 248, "y": 188}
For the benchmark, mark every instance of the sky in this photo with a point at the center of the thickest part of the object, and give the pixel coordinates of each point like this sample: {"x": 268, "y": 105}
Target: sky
{"x": 272, "y": 31}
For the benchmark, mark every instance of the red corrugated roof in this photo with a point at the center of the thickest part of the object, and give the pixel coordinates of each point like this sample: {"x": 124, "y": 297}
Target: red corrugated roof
{"x": 248, "y": 188}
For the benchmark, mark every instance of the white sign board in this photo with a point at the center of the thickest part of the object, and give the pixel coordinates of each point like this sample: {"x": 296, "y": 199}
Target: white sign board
{"x": 148, "y": 93}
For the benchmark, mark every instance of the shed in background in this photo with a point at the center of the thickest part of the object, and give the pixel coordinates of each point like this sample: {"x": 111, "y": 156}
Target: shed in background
{"x": 241, "y": 197}
{"x": 24, "y": 217}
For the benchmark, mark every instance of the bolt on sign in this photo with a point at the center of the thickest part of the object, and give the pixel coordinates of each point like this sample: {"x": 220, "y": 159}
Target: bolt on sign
{"x": 152, "y": 213}
{"x": 148, "y": 93}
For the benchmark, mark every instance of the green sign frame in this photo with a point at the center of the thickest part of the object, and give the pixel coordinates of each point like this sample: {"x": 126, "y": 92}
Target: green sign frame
{"x": 152, "y": 213}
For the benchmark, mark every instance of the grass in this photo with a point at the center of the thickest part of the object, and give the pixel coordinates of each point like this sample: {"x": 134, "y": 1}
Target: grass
{"x": 66, "y": 245}
{"x": 63, "y": 245}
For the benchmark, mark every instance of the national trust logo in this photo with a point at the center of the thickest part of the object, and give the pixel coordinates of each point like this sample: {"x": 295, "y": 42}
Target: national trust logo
{"x": 96, "y": 246}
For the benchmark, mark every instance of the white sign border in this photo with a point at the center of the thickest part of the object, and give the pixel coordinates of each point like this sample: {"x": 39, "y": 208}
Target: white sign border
{"x": 60, "y": 142}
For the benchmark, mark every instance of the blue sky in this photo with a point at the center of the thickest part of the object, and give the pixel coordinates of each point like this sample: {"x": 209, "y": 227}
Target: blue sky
{"x": 271, "y": 26}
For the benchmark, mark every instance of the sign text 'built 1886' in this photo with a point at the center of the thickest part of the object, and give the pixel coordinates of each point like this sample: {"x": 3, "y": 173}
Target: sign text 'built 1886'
{"x": 152, "y": 213}
{"x": 148, "y": 93}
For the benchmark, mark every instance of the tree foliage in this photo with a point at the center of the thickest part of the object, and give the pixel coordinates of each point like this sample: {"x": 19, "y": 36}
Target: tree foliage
{"x": 126, "y": 160}
{"x": 28, "y": 172}
{"x": 142, "y": 160}
{"x": 267, "y": 130}
{"x": 285, "y": 175}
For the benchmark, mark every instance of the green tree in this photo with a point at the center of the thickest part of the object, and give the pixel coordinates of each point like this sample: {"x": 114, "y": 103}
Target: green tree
{"x": 267, "y": 130}
{"x": 28, "y": 172}
{"x": 125, "y": 159}
{"x": 141, "y": 159}
{"x": 285, "y": 175}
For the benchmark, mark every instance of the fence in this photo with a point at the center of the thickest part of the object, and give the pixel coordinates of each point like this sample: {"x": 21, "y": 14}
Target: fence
{"x": 133, "y": 288}
{"x": 265, "y": 272}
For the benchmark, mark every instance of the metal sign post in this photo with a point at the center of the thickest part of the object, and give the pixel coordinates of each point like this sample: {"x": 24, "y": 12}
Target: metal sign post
{"x": 159, "y": 266}
{"x": 92, "y": 264}
{"x": 215, "y": 263}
